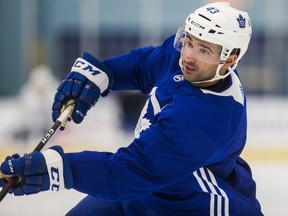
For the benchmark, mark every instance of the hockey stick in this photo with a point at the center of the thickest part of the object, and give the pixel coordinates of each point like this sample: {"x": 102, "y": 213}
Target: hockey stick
{"x": 12, "y": 180}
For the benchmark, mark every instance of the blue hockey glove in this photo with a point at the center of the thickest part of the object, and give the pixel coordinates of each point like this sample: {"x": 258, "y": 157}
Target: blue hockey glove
{"x": 38, "y": 171}
{"x": 87, "y": 80}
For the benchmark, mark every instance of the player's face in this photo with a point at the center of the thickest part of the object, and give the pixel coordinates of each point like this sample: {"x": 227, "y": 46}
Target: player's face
{"x": 200, "y": 59}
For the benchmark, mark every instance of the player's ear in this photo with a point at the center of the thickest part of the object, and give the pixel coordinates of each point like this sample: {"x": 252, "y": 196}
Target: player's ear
{"x": 231, "y": 60}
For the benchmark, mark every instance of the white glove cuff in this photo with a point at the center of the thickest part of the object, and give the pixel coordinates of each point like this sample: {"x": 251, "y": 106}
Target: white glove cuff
{"x": 55, "y": 169}
{"x": 92, "y": 73}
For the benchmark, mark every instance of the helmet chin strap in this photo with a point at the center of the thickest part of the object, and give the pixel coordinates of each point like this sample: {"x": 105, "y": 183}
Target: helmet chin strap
{"x": 217, "y": 75}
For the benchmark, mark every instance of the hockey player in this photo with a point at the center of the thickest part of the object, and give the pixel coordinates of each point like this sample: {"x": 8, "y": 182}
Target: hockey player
{"x": 184, "y": 159}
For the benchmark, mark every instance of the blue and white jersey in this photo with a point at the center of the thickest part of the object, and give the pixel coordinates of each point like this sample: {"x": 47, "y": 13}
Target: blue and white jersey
{"x": 184, "y": 159}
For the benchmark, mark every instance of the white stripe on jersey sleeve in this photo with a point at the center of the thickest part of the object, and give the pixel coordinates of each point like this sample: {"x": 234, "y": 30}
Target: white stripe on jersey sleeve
{"x": 216, "y": 198}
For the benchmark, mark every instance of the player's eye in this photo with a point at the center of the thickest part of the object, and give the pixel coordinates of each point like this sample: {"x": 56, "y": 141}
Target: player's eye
{"x": 205, "y": 51}
{"x": 189, "y": 43}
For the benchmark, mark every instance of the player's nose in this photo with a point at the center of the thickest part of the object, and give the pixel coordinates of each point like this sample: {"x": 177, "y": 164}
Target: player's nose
{"x": 189, "y": 55}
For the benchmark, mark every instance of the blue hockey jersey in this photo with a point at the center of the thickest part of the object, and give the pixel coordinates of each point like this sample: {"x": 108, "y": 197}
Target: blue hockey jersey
{"x": 184, "y": 159}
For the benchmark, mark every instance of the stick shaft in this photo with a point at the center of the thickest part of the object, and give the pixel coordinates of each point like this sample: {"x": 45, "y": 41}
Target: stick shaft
{"x": 47, "y": 136}
{"x": 6, "y": 187}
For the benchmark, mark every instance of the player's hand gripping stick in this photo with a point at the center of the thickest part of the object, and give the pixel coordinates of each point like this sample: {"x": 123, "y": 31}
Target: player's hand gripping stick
{"x": 61, "y": 121}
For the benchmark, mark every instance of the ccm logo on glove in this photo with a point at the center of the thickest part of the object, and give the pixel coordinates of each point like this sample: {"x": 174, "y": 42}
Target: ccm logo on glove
{"x": 91, "y": 72}
{"x": 55, "y": 183}
{"x": 10, "y": 166}
{"x": 86, "y": 67}
{"x": 54, "y": 165}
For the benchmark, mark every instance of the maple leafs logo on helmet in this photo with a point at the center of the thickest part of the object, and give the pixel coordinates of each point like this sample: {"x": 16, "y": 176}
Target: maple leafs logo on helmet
{"x": 241, "y": 20}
